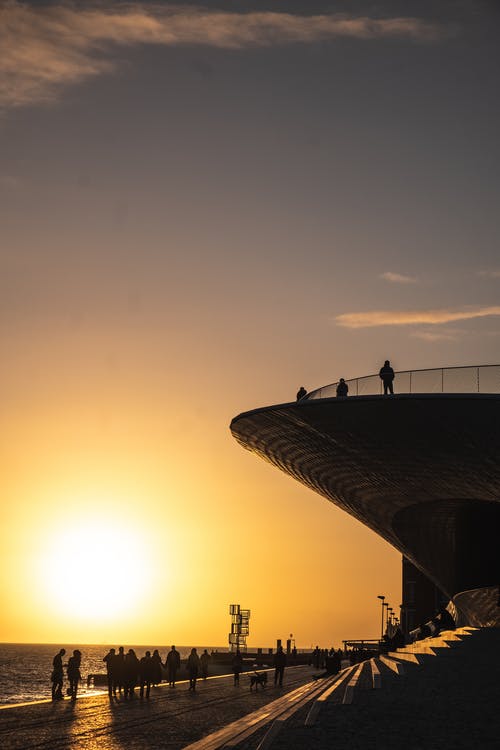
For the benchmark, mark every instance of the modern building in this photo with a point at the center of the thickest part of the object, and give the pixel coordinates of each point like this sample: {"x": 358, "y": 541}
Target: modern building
{"x": 421, "y": 468}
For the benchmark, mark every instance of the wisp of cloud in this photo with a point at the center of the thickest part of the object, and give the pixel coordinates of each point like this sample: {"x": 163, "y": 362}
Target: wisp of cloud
{"x": 412, "y": 317}
{"x": 48, "y": 47}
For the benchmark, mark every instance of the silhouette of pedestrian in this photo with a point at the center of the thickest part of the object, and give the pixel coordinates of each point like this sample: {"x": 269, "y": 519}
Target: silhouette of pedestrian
{"x": 342, "y": 389}
{"x": 279, "y": 666}
{"x": 317, "y": 657}
{"x": 156, "y": 668}
{"x": 119, "y": 671}
{"x": 109, "y": 660}
{"x": 237, "y": 666}
{"x": 387, "y": 376}
{"x": 173, "y": 664}
{"x": 204, "y": 661}
{"x": 301, "y": 393}
{"x": 131, "y": 673}
{"x": 74, "y": 675}
{"x": 147, "y": 668}
{"x": 193, "y": 667}
{"x": 57, "y": 676}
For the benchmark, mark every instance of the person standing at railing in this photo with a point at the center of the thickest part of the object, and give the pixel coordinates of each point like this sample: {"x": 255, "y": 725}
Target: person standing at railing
{"x": 387, "y": 376}
{"x": 342, "y": 389}
{"x": 301, "y": 393}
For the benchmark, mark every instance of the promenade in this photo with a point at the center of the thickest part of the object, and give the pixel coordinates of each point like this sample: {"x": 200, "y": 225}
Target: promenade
{"x": 436, "y": 694}
{"x": 172, "y": 718}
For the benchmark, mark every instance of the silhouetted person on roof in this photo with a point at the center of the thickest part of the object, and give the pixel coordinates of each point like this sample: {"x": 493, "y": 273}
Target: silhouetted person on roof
{"x": 387, "y": 376}
{"x": 172, "y": 663}
{"x": 301, "y": 393}
{"x": 279, "y": 666}
{"x": 342, "y": 389}
{"x": 109, "y": 660}
{"x": 57, "y": 676}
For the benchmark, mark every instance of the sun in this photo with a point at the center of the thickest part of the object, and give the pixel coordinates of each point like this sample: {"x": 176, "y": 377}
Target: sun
{"x": 95, "y": 569}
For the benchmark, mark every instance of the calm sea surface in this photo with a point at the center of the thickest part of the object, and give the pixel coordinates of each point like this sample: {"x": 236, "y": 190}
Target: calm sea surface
{"x": 25, "y": 668}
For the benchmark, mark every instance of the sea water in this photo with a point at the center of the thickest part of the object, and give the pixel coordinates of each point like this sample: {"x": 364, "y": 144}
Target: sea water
{"x": 25, "y": 668}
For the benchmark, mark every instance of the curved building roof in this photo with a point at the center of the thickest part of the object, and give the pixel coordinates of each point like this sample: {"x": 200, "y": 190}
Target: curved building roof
{"x": 422, "y": 470}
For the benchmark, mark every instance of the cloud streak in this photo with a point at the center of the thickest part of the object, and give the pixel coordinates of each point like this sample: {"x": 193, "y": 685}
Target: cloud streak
{"x": 398, "y": 278}
{"x": 489, "y": 274}
{"x": 49, "y": 47}
{"x": 434, "y": 337}
{"x": 412, "y": 317}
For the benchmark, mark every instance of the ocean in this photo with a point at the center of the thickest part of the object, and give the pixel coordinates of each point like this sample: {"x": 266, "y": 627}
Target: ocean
{"x": 25, "y": 668}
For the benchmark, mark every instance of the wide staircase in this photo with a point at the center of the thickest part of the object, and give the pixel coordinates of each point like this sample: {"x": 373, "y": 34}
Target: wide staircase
{"x": 441, "y": 691}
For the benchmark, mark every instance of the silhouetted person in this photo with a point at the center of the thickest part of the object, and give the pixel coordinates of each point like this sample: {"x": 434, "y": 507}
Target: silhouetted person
{"x": 204, "y": 661}
{"x": 119, "y": 671}
{"x": 301, "y": 393}
{"x": 74, "y": 675}
{"x": 156, "y": 675}
{"x": 147, "y": 669}
{"x": 387, "y": 376}
{"x": 317, "y": 657}
{"x": 336, "y": 661}
{"x": 193, "y": 667}
{"x": 57, "y": 676}
{"x": 279, "y": 665}
{"x": 109, "y": 660}
{"x": 342, "y": 389}
{"x": 237, "y": 666}
{"x": 173, "y": 663}
{"x": 131, "y": 673}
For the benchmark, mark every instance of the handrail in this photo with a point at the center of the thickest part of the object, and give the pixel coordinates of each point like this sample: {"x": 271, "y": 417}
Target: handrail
{"x": 459, "y": 379}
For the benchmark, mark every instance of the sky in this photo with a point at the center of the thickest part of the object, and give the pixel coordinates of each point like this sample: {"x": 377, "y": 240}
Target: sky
{"x": 203, "y": 207}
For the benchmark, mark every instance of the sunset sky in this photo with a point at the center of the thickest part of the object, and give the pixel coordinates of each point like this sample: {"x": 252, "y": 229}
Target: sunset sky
{"x": 203, "y": 207}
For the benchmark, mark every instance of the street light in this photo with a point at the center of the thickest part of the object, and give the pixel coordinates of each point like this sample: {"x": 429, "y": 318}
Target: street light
{"x": 382, "y": 623}
{"x": 386, "y": 605}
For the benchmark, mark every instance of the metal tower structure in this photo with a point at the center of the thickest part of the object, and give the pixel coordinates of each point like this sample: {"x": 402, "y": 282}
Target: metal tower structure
{"x": 239, "y": 627}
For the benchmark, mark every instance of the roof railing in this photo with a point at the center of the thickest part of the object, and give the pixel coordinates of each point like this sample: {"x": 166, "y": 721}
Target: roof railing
{"x": 468, "y": 379}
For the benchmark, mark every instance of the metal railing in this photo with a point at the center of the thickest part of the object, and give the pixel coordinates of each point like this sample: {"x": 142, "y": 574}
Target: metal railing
{"x": 476, "y": 379}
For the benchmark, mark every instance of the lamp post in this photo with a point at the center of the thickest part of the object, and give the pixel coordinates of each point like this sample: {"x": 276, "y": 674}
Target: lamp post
{"x": 386, "y": 605}
{"x": 382, "y": 622}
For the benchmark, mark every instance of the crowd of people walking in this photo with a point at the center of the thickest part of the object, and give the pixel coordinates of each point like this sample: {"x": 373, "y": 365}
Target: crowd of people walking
{"x": 125, "y": 672}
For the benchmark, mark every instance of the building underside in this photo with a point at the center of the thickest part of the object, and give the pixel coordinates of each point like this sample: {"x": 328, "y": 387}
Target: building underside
{"x": 421, "y": 470}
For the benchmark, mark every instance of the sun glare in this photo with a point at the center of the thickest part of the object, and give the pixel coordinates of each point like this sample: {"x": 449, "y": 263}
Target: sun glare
{"x": 95, "y": 570}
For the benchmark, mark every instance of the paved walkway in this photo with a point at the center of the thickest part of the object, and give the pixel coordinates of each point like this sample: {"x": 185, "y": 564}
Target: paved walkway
{"x": 171, "y": 719}
{"x": 445, "y": 698}
{"x": 447, "y": 702}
